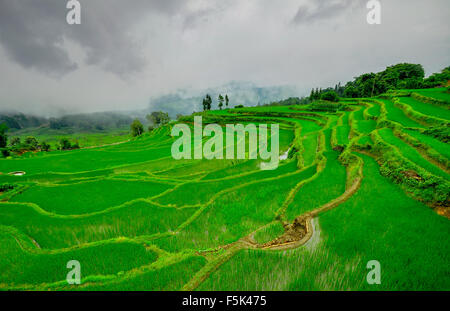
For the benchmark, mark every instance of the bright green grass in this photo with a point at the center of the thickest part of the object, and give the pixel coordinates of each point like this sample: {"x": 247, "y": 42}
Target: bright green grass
{"x": 397, "y": 115}
{"x": 81, "y": 160}
{"x": 438, "y": 93}
{"x": 342, "y": 133}
{"x": 89, "y": 197}
{"x": 235, "y": 214}
{"x": 375, "y": 110}
{"x": 366, "y": 126}
{"x": 411, "y": 153}
{"x": 329, "y": 185}
{"x": 20, "y": 267}
{"x": 358, "y": 114}
{"x": 201, "y": 192}
{"x": 405, "y": 236}
{"x": 434, "y": 143}
{"x": 310, "y": 148}
{"x": 308, "y": 127}
{"x": 131, "y": 220}
{"x": 168, "y": 278}
{"x": 239, "y": 167}
{"x": 269, "y": 233}
{"x": 378, "y": 222}
{"x": 365, "y": 140}
{"x": 427, "y": 109}
{"x": 85, "y": 139}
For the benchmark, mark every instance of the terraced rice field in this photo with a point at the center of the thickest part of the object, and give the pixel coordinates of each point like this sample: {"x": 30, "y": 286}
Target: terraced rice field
{"x": 355, "y": 188}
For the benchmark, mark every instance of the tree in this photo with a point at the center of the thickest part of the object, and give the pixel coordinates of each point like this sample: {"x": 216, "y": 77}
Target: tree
{"x": 64, "y": 144}
{"x": 137, "y": 128}
{"x": 158, "y": 118}
{"x": 45, "y": 146}
{"x": 208, "y": 101}
{"x": 330, "y": 96}
{"x": 15, "y": 141}
{"x": 221, "y": 99}
{"x": 351, "y": 92}
{"x": 31, "y": 143}
{"x": 438, "y": 79}
{"x": 227, "y": 100}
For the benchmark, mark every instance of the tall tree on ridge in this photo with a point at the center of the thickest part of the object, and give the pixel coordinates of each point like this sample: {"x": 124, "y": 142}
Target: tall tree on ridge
{"x": 220, "y": 101}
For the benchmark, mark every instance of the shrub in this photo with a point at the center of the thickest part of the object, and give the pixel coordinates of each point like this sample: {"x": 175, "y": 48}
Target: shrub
{"x": 45, "y": 146}
{"x": 137, "y": 128}
{"x": 330, "y": 96}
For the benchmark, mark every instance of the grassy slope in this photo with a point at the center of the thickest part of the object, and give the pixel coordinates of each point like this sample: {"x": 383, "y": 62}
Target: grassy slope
{"x": 405, "y": 236}
{"x": 134, "y": 199}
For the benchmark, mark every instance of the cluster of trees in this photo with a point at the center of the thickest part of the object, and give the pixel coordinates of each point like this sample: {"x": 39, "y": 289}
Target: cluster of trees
{"x": 207, "y": 102}
{"x": 30, "y": 143}
{"x": 65, "y": 144}
{"x": 400, "y": 76}
{"x": 156, "y": 119}
{"x": 328, "y": 94}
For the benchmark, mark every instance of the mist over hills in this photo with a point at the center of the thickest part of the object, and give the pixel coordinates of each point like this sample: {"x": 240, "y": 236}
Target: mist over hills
{"x": 186, "y": 101}
{"x": 182, "y": 101}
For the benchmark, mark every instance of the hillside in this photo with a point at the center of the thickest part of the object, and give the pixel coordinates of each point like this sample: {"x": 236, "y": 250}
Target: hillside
{"x": 366, "y": 178}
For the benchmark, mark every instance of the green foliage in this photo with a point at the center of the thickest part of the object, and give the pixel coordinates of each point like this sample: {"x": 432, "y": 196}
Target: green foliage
{"x": 207, "y": 102}
{"x": 438, "y": 79}
{"x": 220, "y": 99}
{"x": 3, "y": 135}
{"x": 330, "y": 96}
{"x": 137, "y": 129}
{"x": 160, "y": 224}
{"x": 31, "y": 142}
{"x": 45, "y": 146}
{"x": 158, "y": 118}
{"x": 65, "y": 144}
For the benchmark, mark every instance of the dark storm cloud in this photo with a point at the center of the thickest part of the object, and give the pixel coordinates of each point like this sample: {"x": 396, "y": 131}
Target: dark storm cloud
{"x": 32, "y": 32}
{"x": 323, "y": 10}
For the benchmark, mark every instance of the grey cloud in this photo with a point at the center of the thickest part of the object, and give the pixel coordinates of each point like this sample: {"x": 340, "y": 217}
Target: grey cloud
{"x": 32, "y": 33}
{"x": 29, "y": 35}
{"x": 323, "y": 9}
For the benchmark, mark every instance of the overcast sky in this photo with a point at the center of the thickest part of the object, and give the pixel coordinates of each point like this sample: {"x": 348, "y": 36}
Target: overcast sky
{"x": 127, "y": 51}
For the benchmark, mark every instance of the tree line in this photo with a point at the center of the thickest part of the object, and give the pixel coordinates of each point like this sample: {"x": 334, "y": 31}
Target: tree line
{"x": 400, "y": 76}
{"x": 207, "y": 102}
{"x": 156, "y": 119}
{"x": 18, "y": 146}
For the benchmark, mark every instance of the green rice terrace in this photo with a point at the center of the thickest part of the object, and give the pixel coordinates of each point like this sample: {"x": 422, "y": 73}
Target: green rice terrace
{"x": 358, "y": 180}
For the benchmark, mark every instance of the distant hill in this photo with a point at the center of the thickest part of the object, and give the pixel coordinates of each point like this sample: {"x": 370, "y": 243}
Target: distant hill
{"x": 240, "y": 93}
{"x": 84, "y": 122}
